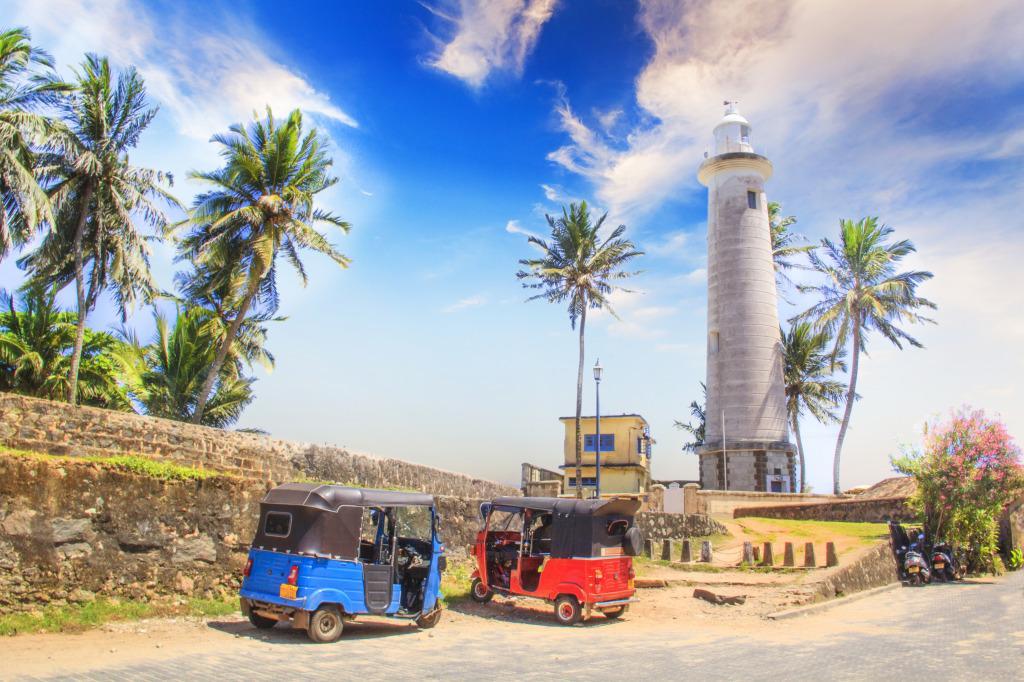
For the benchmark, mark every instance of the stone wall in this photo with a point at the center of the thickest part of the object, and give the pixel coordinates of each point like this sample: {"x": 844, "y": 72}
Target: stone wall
{"x": 64, "y": 430}
{"x": 70, "y": 530}
{"x": 663, "y": 526}
{"x": 878, "y": 510}
{"x": 876, "y": 567}
{"x": 727, "y": 501}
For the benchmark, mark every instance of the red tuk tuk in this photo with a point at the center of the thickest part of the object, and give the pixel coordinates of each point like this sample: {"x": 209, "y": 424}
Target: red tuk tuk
{"x": 575, "y": 554}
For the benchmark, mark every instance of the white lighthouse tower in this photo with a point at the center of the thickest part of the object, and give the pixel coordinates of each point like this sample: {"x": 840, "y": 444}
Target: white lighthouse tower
{"x": 746, "y": 442}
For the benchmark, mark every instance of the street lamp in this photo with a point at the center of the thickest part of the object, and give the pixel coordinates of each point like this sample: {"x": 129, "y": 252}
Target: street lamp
{"x": 597, "y": 445}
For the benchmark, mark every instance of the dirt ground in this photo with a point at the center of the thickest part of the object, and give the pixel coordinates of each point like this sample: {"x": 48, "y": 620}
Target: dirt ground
{"x": 153, "y": 639}
{"x": 670, "y": 607}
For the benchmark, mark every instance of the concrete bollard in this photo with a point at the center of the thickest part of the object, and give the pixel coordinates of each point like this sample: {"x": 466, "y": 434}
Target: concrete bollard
{"x": 666, "y": 550}
{"x": 831, "y": 559}
{"x": 649, "y": 549}
{"x": 686, "y": 554}
{"x": 705, "y": 552}
{"x": 748, "y": 553}
{"x": 809, "y": 560}
{"x": 788, "y": 559}
{"x": 769, "y": 555}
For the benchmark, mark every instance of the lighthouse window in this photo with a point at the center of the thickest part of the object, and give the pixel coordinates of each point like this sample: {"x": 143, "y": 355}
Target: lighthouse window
{"x": 744, "y": 131}
{"x": 751, "y": 199}
{"x": 713, "y": 343}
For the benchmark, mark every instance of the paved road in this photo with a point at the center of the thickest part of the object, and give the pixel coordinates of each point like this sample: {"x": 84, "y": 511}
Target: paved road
{"x": 969, "y": 631}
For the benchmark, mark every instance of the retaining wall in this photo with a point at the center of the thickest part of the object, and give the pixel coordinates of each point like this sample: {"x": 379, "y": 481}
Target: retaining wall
{"x": 65, "y": 430}
{"x": 70, "y": 530}
{"x": 727, "y": 501}
{"x": 877, "y": 510}
{"x": 666, "y": 526}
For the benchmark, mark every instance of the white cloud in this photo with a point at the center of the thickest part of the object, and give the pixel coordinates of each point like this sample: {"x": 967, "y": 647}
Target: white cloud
{"x": 473, "y": 302}
{"x": 205, "y": 76}
{"x": 513, "y": 228}
{"x": 820, "y": 73}
{"x": 490, "y": 35}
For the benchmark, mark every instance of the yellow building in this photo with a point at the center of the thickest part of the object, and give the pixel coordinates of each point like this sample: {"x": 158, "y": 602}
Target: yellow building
{"x": 625, "y": 455}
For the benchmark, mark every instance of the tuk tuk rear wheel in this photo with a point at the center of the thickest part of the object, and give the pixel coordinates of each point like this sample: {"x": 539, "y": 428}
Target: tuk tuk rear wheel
{"x": 568, "y": 610}
{"x": 261, "y": 622}
{"x": 325, "y": 625}
{"x": 614, "y": 613}
{"x": 479, "y": 593}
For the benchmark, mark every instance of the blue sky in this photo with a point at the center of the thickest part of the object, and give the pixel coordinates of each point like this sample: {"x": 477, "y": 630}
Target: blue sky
{"x": 457, "y": 124}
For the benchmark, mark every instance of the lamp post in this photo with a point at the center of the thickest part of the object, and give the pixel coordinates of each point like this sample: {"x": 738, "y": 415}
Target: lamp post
{"x": 597, "y": 444}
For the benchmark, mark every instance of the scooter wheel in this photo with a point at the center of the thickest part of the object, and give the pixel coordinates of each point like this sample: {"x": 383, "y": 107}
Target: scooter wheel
{"x": 479, "y": 593}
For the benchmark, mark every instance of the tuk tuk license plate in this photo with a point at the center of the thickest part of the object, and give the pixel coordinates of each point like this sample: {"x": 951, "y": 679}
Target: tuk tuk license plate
{"x": 940, "y": 565}
{"x": 912, "y": 569}
{"x": 288, "y": 591}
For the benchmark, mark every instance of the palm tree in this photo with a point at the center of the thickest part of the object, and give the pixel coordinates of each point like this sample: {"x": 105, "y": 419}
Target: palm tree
{"x": 263, "y": 198}
{"x": 807, "y": 371}
{"x": 165, "y": 377}
{"x": 23, "y": 203}
{"x": 698, "y": 412}
{"x": 34, "y": 353}
{"x": 98, "y": 197}
{"x": 862, "y": 293}
{"x": 215, "y": 287}
{"x": 579, "y": 268}
{"x": 785, "y": 245}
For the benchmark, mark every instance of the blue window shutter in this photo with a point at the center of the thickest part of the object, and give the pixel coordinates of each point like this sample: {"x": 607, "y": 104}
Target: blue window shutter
{"x": 588, "y": 443}
{"x": 607, "y": 442}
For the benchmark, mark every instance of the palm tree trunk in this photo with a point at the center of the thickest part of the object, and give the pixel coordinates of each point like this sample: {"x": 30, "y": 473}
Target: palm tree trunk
{"x": 579, "y": 412}
{"x": 850, "y": 393}
{"x": 222, "y": 352}
{"x": 76, "y": 353}
{"x": 800, "y": 452}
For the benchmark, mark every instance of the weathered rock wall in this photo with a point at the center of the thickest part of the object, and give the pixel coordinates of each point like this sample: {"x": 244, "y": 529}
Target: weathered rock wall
{"x": 877, "y": 510}
{"x": 875, "y": 568}
{"x": 663, "y": 525}
{"x": 70, "y": 530}
{"x": 65, "y": 430}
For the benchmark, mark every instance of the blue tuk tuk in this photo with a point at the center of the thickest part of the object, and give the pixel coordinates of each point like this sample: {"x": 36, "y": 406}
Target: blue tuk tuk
{"x": 324, "y": 554}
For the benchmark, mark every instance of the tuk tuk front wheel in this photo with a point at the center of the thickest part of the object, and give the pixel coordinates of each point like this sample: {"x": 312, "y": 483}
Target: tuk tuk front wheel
{"x": 429, "y": 620}
{"x": 261, "y": 622}
{"x": 568, "y": 610}
{"x": 614, "y": 613}
{"x": 479, "y": 593}
{"x": 325, "y": 625}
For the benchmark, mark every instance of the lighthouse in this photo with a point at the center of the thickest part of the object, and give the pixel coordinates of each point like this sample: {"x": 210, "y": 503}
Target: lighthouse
{"x": 746, "y": 441}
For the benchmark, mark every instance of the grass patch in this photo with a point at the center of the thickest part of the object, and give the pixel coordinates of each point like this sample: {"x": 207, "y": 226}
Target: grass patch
{"x": 79, "y": 617}
{"x": 152, "y": 468}
{"x": 136, "y": 464}
{"x": 456, "y": 580}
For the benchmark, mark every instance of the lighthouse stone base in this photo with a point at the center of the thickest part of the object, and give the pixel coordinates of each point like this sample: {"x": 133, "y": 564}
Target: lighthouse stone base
{"x": 755, "y": 466}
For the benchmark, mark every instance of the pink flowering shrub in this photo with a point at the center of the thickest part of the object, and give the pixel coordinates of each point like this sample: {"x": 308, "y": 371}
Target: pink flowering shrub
{"x": 967, "y": 470}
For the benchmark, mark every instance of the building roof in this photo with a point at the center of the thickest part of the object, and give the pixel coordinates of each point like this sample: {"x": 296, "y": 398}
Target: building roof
{"x": 331, "y": 497}
{"x": 604, "y": 416}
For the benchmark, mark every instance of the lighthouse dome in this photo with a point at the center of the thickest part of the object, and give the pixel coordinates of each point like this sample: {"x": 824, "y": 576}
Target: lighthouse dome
{"x": 732, "y": 134}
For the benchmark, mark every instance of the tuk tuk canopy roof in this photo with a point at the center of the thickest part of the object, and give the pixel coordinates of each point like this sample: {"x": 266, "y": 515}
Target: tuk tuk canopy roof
{"x": 332, "y": 497}
{"x": 626, "y": 506}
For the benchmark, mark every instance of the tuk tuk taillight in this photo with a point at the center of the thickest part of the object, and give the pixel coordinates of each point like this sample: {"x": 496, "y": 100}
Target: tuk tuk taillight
{"x": 597, "y": 574}
{"x": 293, "y": 575}
{"x": 248, "y": 568}
{"x": 631, "y": 573}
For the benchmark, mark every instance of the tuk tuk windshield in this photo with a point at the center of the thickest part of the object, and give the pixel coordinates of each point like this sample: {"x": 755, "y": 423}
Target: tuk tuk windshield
{"x": 505, "y": 521}
{"x": 415, "y": 522}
